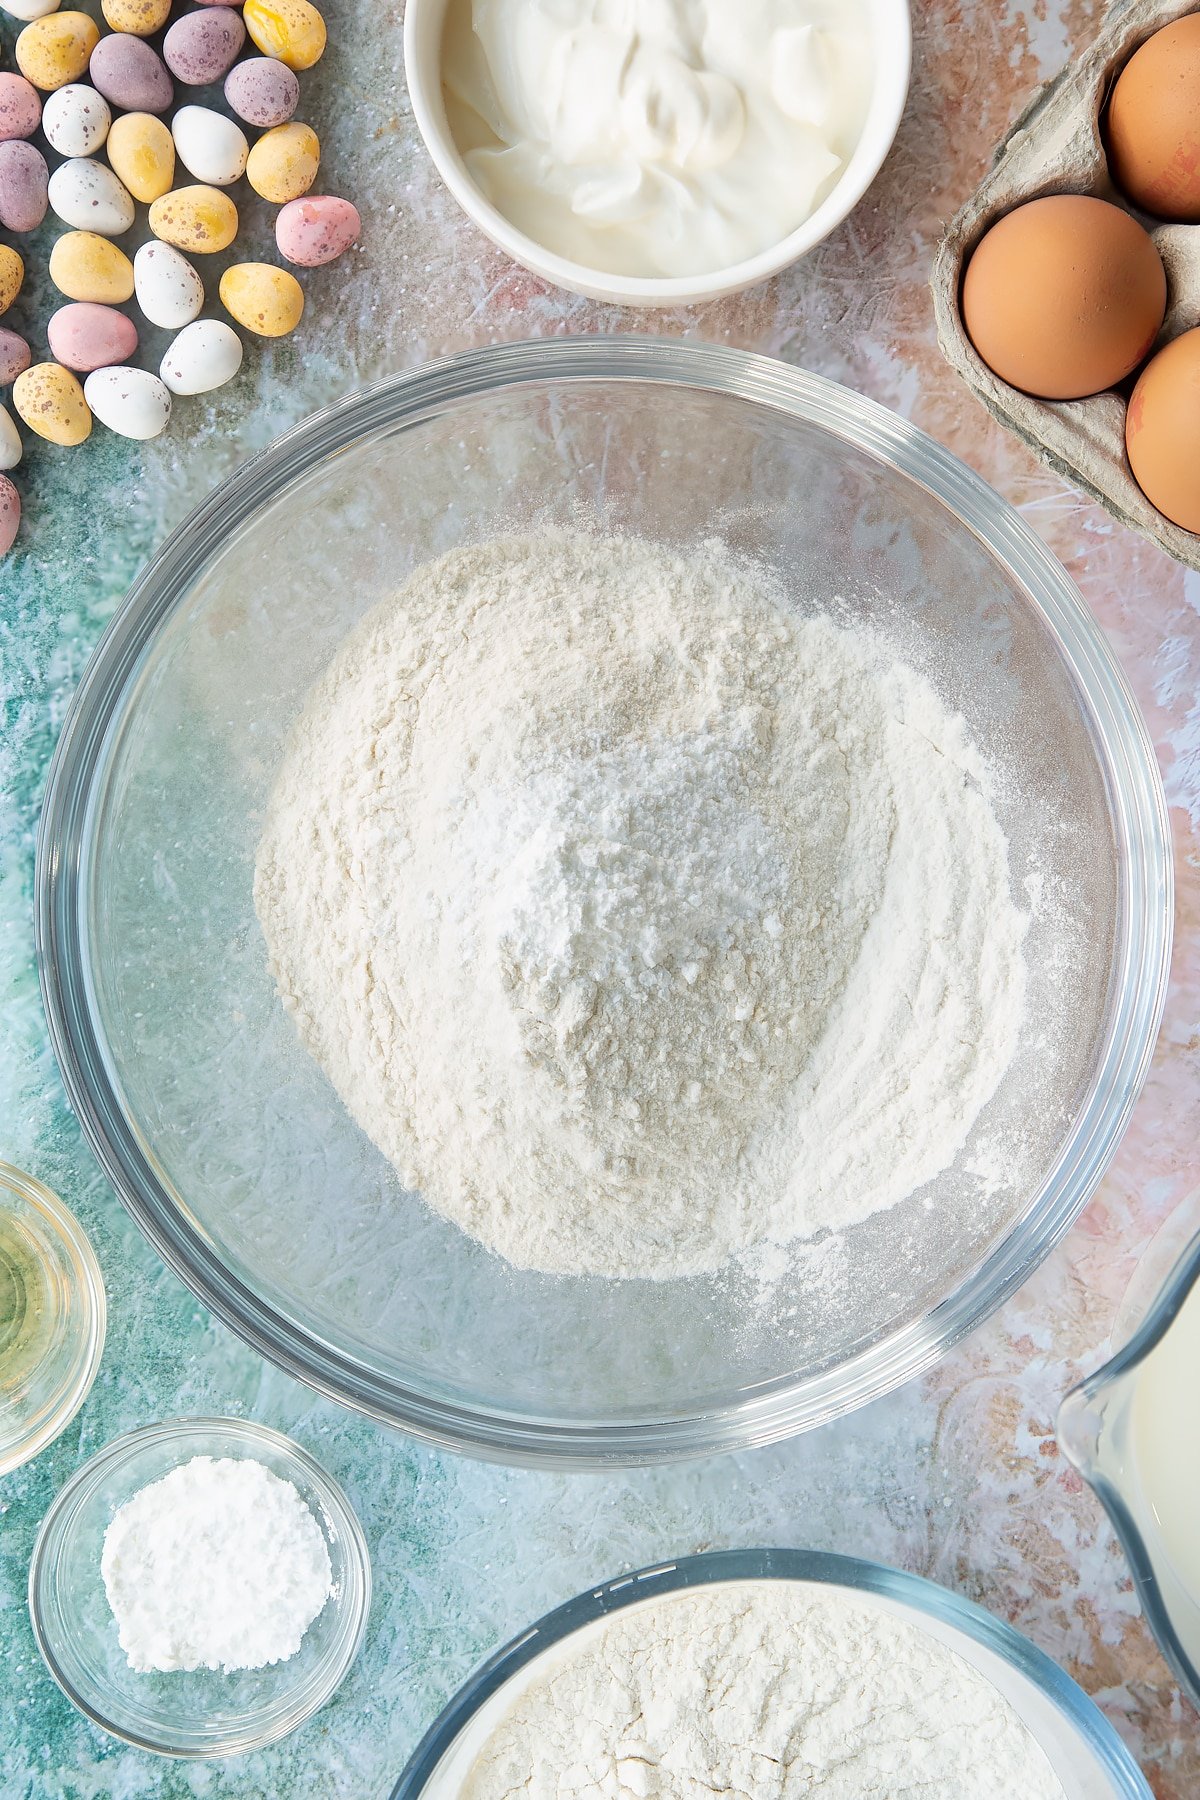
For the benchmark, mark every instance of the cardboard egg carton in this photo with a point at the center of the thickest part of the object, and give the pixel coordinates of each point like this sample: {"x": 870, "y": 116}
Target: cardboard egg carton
{"x": 1056, "y": 147}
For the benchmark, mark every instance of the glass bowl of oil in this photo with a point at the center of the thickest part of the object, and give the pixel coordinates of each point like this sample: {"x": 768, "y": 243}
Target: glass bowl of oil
{"x": 52, "y": 1315}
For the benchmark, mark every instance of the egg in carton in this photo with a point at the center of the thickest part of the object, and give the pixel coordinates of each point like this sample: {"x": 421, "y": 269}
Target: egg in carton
{"x": 1057, "y": 147}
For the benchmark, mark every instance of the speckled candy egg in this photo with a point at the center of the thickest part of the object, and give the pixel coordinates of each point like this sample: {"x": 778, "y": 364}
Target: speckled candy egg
{"x": 266, "y": 300}
{"x": 283, "y": 163}
{"x": 14, "y": 356}
{"x": 20, "y": 106}
{"x": 204, "y": 356}
{"x": 132, "y": 402}
{"x": 23, "y": 182}
{"x": 12, "y": 274}
{"x": 85, "y": 266}
{"x": 203, "y": 46}
{"x": 56, "y": 49}
{"x": 316, "y": 229}
{"x": 89, "y": 197}
{"x": 51, "y": 402}
{"x": 141, "y": 17}
{"x": 262, "y": 91}
{"x": 142, "y": 152}
{"x": 84, "y": 337}
{"x": 130, "y": 74}
{"x": 291, "y": 30}
{"x": 200, "y": 220}
{"x": 210, "y": 146}
{"x": 76, "y": 119}
{"x": 10, "y": 514}
{"x": 169, "y": 291}
{"x": 10, "y": 441}
{"x": 27, "y": 10}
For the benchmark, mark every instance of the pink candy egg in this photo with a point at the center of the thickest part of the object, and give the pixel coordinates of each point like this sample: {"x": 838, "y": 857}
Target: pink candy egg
{"x": 202, "y": 46}
{"x": 10, "y": 513}
{"x": 20, "y": 107}
{"x": 14, "y": 355}
{"x": 262, "y": 91}
{"x": 24, "y": 178}
{"x": 129, "y": 73}
{"x": 84, "y": 336}
{"x": 316, "y": 229}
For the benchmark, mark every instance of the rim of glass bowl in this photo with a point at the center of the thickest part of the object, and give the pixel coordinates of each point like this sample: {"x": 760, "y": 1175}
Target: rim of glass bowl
{"x": 60, "y": 1520}
{"x": 89, "y": 1326}
{"x": 818, "y": 1566}
{"x": 776, "y": 1409}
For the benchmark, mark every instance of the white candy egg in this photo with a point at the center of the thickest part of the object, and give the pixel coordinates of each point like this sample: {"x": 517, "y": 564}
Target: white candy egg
{"x": 10, "y": 441}
{"x": 76, "y": 119}
{"x": 210, "y": 146}
{"x": 204, "y": 356}
{"x": 28, "y": 10}
{"x": 132, "y": 402}
{"x": 168, "y": 289}
{"x": 89, "y": 197}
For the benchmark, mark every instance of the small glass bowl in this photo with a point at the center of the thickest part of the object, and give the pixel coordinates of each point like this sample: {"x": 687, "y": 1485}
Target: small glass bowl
{"x": 52, "y": 1316}
{"x": 202, "y": 1712}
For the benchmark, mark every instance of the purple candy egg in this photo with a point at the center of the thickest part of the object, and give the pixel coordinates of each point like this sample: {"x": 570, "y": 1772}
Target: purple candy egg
{"x": 202, "y": 46}
{"x": 10, "y": 514}
{"x": 130, "y": 74}
{"x": 20, "y": 107}
{"x": 262, "y": 91}
{"x": 315, "y": 229}
{"x": 14, "y": 355}
{"x": 84, "y": 336}
{"x": 23, "y": 179}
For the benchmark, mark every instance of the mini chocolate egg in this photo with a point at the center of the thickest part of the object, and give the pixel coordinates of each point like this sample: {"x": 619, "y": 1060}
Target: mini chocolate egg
{"x": 1064, "y": 296}
{"x": 291, "y": 30}
{"x": 85, "y": 266}
{"x": 84, "y": 337}
{"x": 14, "y": 356}
{"x": 130, "y": 74}
{"x": 1152, "y": 129}
{"x": 24, "y": 179}
{"x": 1162, "y": 431}
{"x": 142, "y": 152}
{"x": 55, "y": 49}
{"x": 10, "y": 514}
{"x": 203, "y": 46}
{"x": 316, "y": 229}
{"x": 132, "y": 402}
{"x": 12, "y": 274}
{"x": 28, "y": 10}
{"x": 140, "y": 17}
{"x": 10, "y": 441}
{"x": 76, "y": 119}
{"x": 283, "y": 163}
{"x": 262, "y": 91}
{"x": 204, "y": 356}
{"x": 210, "y": 146}
{"x": 51, "y": 402}
{"x": 87, "y": 196}
{"x": 200, "y": 220}
{"x": 266, "y": 300}
{"x": 168, "y": 289}
{"x": 20, "y": 106}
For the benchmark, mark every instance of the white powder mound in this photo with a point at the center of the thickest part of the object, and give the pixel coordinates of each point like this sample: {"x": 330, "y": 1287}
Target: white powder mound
{"x": 636, "y": 919}
{"x": 219, "y": 1565}
{"x": 780, "y": 1691}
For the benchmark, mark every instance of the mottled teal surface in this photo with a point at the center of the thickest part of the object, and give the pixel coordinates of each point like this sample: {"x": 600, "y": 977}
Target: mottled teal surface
{"x": 956, "y": 1477}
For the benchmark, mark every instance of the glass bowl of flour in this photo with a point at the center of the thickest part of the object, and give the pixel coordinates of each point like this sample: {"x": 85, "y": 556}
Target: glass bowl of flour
{"x": 605, "y": 900}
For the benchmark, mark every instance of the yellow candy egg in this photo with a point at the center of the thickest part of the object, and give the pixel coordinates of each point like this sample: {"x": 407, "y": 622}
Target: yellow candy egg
{"x": 264, "y": 299}
{"x": 51, "y": 402}
{"x": 84, "y": 266}
{"x": 56, "y": 49}
{"x": 12, "y": 274}
{"x": 196, "y": 219}
{"x": 283, "y": 164}
{"x": 142, "y": 17}
{"x": 292, "y": 31}
{"x": 141, "y": 151}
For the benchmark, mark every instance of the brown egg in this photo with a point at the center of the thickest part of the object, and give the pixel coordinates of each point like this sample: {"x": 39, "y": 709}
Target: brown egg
{"x": 1162, "y": 431}
{"x": 1064, "y": 296}
{"x": 1153, "y": 125}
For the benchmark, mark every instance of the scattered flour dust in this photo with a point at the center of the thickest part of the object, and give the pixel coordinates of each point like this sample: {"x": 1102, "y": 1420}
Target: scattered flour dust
{"x": 782, "y": 1691}
{"x": 637, "y": 919}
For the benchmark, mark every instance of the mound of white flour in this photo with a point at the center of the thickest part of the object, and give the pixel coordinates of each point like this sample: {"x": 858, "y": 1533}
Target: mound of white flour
{"x": 780, "y": 1691}
{"x": 637, "y": 920}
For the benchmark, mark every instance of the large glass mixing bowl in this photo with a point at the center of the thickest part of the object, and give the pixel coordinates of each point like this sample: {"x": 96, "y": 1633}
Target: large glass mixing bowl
{"x": 227, "y": 1143}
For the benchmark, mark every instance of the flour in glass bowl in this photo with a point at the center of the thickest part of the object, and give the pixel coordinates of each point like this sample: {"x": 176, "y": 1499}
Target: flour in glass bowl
{"x": 638, "y": 919}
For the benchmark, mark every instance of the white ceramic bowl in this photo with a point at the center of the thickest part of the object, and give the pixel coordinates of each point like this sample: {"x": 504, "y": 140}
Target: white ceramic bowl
{"x": 891, "y": 31}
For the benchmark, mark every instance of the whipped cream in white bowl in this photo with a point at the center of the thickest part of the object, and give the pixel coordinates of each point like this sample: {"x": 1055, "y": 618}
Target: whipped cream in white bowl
{"x": 657, "y": 152}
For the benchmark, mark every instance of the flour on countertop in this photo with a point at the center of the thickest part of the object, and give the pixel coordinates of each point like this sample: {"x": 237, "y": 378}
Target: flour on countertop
{"x": 637, "y": 919}
{"x": 780, "y": 1691}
